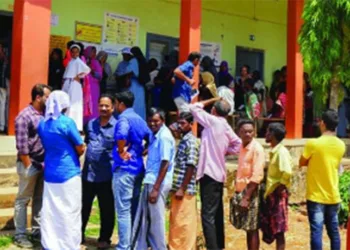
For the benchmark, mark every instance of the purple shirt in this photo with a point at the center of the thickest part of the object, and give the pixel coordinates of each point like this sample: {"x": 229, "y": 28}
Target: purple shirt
{"x": 218, "y": 139}
{"x": 27, "y": 138}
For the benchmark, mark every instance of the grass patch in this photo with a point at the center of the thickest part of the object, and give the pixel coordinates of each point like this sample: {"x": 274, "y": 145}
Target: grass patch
{"x": 92, "y": 232}
{"x": 95, "y": 214}
{"x": 5, "y": 241}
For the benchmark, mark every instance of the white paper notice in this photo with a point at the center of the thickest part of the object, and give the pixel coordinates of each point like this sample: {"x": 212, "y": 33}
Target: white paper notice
{"x": 54, "y": 20}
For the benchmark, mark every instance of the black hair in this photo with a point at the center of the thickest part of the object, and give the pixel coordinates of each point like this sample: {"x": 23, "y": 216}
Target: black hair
{"x": 38, "y": 90}
{"x": 70, "y": 43}
{"x": 330, "y": 119}
{"x": 109, "y": 96}
{"x": 58, "y": 52}
{"x": 284, "y": 69}
{"x": 282, "y": 87}
{"x": 186, "y": 116}
{"x": 247, "y": 67}
{"x": 250, "y": 82}
{"x": 256, "y": 75}
{"x": 244, "y": 122}
{"x": 153, "y": 63}
{"x": 277, "y": 130}
{"x": 222, "y": 108}
{"x": 193, "y": 56}
{"x": 126, "y": 97}
{"x": 156, "y": 111}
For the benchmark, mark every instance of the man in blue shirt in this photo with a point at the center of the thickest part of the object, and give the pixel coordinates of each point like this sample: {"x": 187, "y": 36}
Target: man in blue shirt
{"x": 184, "y": 82}
{"x": 130, "y": 134}
{"x": 97, "y": 172}
{"x": 150, "y": 216}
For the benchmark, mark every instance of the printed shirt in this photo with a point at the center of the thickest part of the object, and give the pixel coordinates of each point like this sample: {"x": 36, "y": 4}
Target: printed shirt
{"x": 252, "y": 105}
{"x": 322, "y": 177}
{"x": 99, "y": 152}
{"x": 187, "y": 155}
{"x": 182, "y": 88}
{"x": 218, "y": 139}
{"x": 162, "y": 148}
{"x": 132, "y": 128}
{"x": 280, "y": 169}
{"x": 60, "y": 137}
{"x": 251, "y": 164}
{"x": 27, "y": 139}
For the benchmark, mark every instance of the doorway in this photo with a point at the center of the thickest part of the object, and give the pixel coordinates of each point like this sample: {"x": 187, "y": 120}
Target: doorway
{"x": 6, "y": 19}
{"x": 254, "y": 58}
{"x": 159, "y": 46}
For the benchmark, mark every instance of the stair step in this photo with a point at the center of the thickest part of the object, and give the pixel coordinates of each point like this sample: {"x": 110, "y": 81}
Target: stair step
{"x": 6, "y": 218}
{"x": 8, "y": 177}
{"x": 7, "y": 197}
{"x": 8, "y": 160}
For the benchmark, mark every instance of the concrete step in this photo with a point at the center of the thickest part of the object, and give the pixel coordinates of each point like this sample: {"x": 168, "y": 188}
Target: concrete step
{"x": 6, "y": 218}
{"x": 7, "y": 197}
{"x": 8, "y": 177}
{"x": 8, "y": 160}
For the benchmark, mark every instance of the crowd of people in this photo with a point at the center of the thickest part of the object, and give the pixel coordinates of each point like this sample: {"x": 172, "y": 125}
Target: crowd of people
{"x": 136, "y": 193}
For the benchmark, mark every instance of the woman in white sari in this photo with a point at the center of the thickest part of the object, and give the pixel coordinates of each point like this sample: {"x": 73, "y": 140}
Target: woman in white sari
{"x": 61, "y": 209}
{"x": 76, "y": 70}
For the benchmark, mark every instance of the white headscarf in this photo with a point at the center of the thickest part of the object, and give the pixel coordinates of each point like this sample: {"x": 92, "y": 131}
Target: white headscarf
{"x": 57, "y": 101}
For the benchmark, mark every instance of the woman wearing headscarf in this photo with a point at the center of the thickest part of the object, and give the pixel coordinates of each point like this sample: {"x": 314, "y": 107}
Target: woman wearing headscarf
{"x": 208, "y": 65}
{"x": 75, "y": 71}
{"x": 61, "y": 209}
{"x": 94, "y": 79}
{"x": 163, "y": 85}
{"x": 107, "y": 73}
{"x": 207, "y": 88}
{"x": 130, "y": 66}
{"x": 56, "y": 69}
{"x": 224, "y": 77}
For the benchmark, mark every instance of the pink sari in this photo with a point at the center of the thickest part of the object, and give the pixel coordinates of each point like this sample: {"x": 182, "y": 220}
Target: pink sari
{"x": 92, "y": 90}
{"x": 87, "y": 103}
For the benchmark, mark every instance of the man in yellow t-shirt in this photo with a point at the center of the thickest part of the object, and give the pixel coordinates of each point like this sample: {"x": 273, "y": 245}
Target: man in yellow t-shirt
{"x": 322, "y": 157}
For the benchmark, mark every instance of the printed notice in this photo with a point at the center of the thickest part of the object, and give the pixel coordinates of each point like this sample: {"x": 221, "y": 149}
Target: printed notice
{"x": 120, "y": 31}
{"x": 59, "y": 42}
{"x": 90, "y": 33}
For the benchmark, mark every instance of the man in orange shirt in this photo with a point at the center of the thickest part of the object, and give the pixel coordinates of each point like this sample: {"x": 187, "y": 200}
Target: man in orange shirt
{"x": 245, "y": 203}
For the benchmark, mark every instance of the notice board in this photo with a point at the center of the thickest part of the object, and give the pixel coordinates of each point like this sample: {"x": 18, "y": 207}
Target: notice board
{"x": 119, "y": 31}
{"x": 59, "y": 42}
{"x": 90, "y": 33}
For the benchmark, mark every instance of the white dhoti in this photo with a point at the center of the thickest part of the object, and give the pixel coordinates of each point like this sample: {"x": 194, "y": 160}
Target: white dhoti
{"x": 61, "y": 215}
{"x": 75, "y": 92}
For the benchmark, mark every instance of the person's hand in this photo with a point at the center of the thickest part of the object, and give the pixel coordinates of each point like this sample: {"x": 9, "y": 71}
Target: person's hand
{"x": 125, "y": 155}
{"x": 77, "y": 78}
{"x": 179, "y": 195}
{"x": 145, "y": 152}
{"x": 192, "y": 82}
{"x": 153, "y": 196}
{"x": 244, "y": 205}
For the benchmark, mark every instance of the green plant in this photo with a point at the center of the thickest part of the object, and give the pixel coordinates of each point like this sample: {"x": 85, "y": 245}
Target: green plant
{"x": 344, "y": 188}
{"x": 325, "y": 44}
{"x": 5, "y": 241}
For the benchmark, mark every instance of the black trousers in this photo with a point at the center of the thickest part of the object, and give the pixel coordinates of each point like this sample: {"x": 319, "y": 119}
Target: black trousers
{"x": 104, "y": 193}
{"x": 211, "y": 193}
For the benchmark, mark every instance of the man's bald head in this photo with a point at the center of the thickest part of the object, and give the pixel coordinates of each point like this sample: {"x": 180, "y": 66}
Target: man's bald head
{"x": 222, "y": 108}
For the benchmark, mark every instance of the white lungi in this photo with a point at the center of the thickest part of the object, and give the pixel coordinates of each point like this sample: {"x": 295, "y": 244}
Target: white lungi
{"x": 61, "y": 215}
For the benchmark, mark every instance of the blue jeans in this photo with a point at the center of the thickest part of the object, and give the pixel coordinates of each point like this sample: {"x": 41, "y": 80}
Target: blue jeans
{"x": 320, "y": 214}
{"x": 126, "y": 189}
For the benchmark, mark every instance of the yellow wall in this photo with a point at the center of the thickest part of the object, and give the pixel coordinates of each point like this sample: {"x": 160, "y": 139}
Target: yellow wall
{"x": 229, "y": 22}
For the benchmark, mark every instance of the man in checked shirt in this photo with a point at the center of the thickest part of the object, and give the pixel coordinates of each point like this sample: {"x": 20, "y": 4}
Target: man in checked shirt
{"x": 29, "y": 166}
{"x": 183, "y": 211}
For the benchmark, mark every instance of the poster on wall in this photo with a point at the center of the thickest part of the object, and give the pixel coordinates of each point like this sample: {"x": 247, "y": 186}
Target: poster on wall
{"x": 90, "y": 33}
{"x": 119, "y": 31}
{"x": 59, "y": 42}
{"x": 213, "y": 50}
